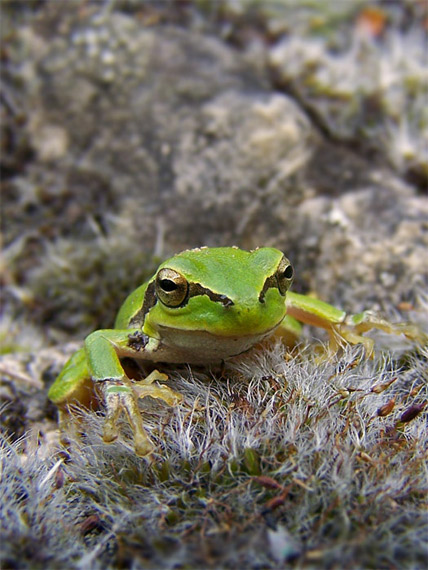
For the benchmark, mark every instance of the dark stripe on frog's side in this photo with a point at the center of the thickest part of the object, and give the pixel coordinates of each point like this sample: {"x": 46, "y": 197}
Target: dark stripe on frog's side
{"x": 149, "y": 302}
{"x": 195, "y": 290}
{"x": 270, "y": 282}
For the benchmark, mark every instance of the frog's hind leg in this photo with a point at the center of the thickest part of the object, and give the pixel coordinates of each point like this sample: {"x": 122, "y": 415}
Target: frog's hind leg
{"x": 74, "y": 382}
{"x": 73, "y": 386}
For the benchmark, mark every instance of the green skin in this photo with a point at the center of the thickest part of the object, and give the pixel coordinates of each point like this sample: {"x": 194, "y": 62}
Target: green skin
{"x": 201, "y": 307}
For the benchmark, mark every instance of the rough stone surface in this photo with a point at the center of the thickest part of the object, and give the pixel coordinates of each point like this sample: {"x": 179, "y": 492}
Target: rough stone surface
{"x": 178, "y": 138}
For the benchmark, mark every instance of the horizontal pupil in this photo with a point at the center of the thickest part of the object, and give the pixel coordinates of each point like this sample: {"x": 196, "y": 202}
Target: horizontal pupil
{"x": 168, "y": 285}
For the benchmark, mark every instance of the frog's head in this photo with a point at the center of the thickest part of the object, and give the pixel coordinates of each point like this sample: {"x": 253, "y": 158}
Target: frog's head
{"x": 225, "y": 292}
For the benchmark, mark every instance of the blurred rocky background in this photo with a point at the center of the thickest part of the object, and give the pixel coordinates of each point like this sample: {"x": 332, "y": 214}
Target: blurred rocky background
{"x": 132, "y": 130}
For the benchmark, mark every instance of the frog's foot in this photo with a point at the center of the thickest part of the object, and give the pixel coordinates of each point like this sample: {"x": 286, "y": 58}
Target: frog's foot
{"x": 149, "y": 387}
{"x": 122, "y": 396}
{"x": 119, "y": 397}
{"x": 340, "y": 336}
{"x": 352, "y": 329}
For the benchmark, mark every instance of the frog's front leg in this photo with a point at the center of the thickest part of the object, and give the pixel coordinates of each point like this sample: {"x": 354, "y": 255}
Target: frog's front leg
{"x": 98, "y": 363}
{"x": 343, "y": 328}
{"x": 104, "y": 348}
{"x": 354, "y": 326}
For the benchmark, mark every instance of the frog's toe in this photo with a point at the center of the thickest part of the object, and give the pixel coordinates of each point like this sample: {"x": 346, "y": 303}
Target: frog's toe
{"x": 160, "y": 392}
{"x": 368, "y": 320}
{"x": 119, "y": 397}
{"x": 110, "y": 430}
{"x": 150, "y": 387}
{"x": 343, "y": 336}
{"x": 413, "y": 333}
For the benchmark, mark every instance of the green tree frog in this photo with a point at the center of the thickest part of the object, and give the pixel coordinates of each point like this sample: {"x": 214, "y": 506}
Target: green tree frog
{"x": 202, "y": 306}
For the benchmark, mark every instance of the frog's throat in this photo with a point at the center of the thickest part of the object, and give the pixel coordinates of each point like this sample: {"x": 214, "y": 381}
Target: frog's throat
{"x": 201, "y": 347}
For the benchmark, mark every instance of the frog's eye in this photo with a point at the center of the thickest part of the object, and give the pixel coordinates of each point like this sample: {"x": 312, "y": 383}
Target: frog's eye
{"x": 171, "y": 287}
{"x": 284, "y": 275}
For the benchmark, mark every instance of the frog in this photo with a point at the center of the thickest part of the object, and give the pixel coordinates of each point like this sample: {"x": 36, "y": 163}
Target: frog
{"x": 201, "y": 307}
